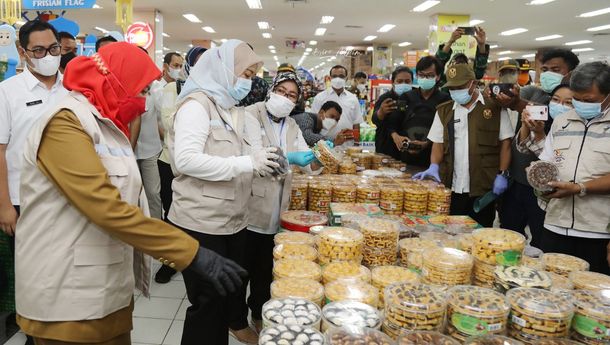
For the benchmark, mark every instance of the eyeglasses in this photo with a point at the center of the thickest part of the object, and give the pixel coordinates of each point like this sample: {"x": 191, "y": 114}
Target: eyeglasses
{"x": 425, "y": 76}
{"x": 40, "y": 52}
{"x": 293, "y": 96}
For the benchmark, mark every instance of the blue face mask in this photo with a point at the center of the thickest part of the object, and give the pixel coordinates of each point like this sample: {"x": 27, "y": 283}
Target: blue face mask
{"x": 556, "y": 109}
{"x": 401, "y": 89}
{"x": 426, "y": 83}
{"x": 461, "y": 96}
{"x": 550, "y": 80}
{"x": 241, "y": 89}
{"x": 586, "y": 110}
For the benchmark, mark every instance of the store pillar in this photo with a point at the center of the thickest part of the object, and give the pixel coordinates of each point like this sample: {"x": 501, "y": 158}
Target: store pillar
{"x": 154, "y": 18}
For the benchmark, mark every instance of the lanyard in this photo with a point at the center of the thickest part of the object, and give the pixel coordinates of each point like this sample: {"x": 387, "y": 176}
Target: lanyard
{"x": 281, "y": 137}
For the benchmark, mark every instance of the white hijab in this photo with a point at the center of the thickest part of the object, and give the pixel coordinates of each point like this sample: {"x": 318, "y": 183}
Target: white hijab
{"x": 215, "y": 73}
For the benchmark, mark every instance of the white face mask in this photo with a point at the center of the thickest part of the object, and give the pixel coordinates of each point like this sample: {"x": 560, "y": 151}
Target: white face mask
{"x": 337, "y": 83}
{"x": 279, "y": 106}
{"x": 361, "y": 87}
{"x": 329, "y": 124}
{"x": 175, "y": 73}
{"x": 47, "y": 66}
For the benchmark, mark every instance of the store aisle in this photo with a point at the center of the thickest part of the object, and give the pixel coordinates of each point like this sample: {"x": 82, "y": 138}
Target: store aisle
{"x": 157, "y": 321}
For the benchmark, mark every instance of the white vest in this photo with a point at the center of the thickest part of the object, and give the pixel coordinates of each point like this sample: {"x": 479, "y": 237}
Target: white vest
{"x": 68, "y": 269}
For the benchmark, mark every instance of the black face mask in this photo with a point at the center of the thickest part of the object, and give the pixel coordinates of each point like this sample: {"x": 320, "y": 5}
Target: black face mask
{"x": 65, "y": 59}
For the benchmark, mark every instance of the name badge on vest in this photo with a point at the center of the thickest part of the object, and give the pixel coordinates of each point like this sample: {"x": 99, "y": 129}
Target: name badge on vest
{"x": 487, "y": 114}
{"x": 32, "y": 103}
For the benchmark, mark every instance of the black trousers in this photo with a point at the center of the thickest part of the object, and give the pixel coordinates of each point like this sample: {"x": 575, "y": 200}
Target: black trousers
{"x": 210, "y": 316}
{"x": 519, "y": 209}
{"x": 462, "y": 205}
{"x": 259, "y": 263}
{"x": 167, "y": 177}
{"x": 590, "y": 249}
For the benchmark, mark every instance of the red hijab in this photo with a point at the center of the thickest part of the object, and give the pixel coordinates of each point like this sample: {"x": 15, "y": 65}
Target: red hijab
{"x": 111, "y": 78}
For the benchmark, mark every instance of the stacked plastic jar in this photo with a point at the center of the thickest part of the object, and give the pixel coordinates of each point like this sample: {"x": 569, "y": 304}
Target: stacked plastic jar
{"x": 291, "y": 311}
{"x": 282, "y": 334}
{"x": 350, "y": 335}
{"x": 340, "y": 244}
{"x": 294, "y": 237}
{"x": 585, "y": 280}
{"x": 294, "y": 268}
{"x": 494, "y": 247}
{"x": 380, "y": 242}
{"x": 345, "y": 270}
{"x": 298, "y": 196}
{"x": 416, "y": 200}
{"x": 367, "y": 193}
{"x": 295, "y": 251}
{"x": 344, "y": 192}
{"x": 411, "y": 252}
{"x": 447, "y": 266}
{"x": 591, "y": 324}
{"x": 439, "y": 201}
{"x": 391, "y": 199}
{"x": 563, "y": 264}
{"x": 320, "y": 196}
{"x": 384, "y": 276}
{"x": 308, "y": 289}
{"x": 351, "y": 290}
{"x": 350, "y": 313}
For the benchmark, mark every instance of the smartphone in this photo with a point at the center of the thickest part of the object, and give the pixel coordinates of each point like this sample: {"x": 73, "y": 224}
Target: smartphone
{"x": 401, "y": 105}
{"x": 407, "y": 145}
{"x": 468, "y": 30}
{"x": 538, "y": 112}
{"x": 505, "y": 88}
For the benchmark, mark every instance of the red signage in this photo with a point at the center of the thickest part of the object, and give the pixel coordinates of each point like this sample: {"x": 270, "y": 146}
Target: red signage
{"x": 140, "y": 34}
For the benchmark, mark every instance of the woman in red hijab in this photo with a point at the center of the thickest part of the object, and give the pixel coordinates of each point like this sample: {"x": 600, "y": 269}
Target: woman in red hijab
{"x": 76, "y": 267}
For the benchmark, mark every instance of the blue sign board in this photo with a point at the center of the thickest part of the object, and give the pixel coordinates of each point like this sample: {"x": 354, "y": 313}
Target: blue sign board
{"x": 56, "y": 4}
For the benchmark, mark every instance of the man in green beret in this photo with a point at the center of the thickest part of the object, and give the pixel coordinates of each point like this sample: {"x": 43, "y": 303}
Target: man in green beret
{"x": 471, "y": 137}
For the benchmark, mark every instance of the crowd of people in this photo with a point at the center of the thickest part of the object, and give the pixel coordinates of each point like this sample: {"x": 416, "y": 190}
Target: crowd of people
{"x": 106, "y": 161}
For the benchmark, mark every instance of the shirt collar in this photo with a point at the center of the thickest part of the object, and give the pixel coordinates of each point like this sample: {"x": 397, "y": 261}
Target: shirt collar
{"x": 31, "y": 81}
{"x": 480, "y": 99}
{"x": 331, "y": 91}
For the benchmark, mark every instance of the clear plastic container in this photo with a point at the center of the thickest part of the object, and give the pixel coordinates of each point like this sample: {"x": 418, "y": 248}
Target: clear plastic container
{"x": 439, "y": 201}
{"x": 297, "y": 269}
{"x": 591, "y": 323}
{"x": 294, "y": 237}
{"x": 447, "y": 266}
{"x": 340, "y": 244}
{"x": 298, "y": 196}
{"x": 492, "y": 340}
{"x": 498, "y": 246}
{"x": 291, "y": 311}
{"x": 367, "y": 193}
{"x": 391, "y": 199}
{"x": 353, "y": 221}
{"x": 373, "y": 257}
{"x": 535, "y": 263}
{"x": 476, "y": 311}
{"x": 411, "y": 252}
{"x": 585, "y": 280}
{"x": 538, "y": 314}
{"x": 425, "y": 338}
{"x": 563, "y": 264}
{"x": 351, "y": 335}
{"x": 540, "y": 173}
{"x": 320, "y": 197}
{"x": 465, "y": 242}
{"x": 348, "y": 167}
{"x": 384, "y": 276}
{"x": 415, "y": 307}
{"x": 483, "y": 274}
{"x": 301, "y": 220}
{"x": 326, "y": 155}
{"x": 295, "y": 251}
{"x": 556, "y": 341}
{"x": 352, "y": 290}
{"x": 560, "y": 283}
{"x": 511, "y": 277}
{"x": 308, "y": 289}
{"x": 290, "y": 335}
{"x": 416, "y": 200}
{"x": 380, "y": 233}
{"x": 444, "y": 221}
{"x": 344, "y": 192}
{"x": 345, "y": 269}
{"x": 350, "y": 313}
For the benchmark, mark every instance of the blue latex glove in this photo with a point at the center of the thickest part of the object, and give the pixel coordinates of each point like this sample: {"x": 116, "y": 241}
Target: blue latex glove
{"x": 330, "y": 144}
{"x": 500, "y": 185}
{"x": 302, "y": 158}
{"x": 431, "y": 172}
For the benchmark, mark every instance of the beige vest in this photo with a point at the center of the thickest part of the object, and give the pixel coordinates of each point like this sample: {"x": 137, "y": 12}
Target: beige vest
{"x": 582, "y": 153}
{"x": 267, "y": 193}
{"x": 68, "y": 269}
{"x": 213, "y": 207}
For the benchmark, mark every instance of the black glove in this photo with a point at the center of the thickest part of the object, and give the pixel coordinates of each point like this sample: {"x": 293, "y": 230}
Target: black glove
{"x": 224, "y": 274}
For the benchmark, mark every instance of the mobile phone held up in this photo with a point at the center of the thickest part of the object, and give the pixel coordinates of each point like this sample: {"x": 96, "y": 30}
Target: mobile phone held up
{"x": 468, "y": 30}
{"x": 401, "y": 105}
{"x": 538, "y": 112}
{"x": 505, "y": 88}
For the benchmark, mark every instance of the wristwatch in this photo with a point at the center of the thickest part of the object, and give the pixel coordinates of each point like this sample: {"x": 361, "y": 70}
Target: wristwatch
{"x": 583, "y": 189}
{"x": 504, "y": 173}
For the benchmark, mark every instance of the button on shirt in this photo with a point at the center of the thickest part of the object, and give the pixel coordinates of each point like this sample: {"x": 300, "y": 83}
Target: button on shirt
{"x": 23, "y": 99}
{"x": 461, "y": 165}
{"x": 349, "y": 103}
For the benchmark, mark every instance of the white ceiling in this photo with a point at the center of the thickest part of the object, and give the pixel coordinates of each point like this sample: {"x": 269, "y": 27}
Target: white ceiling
{"x": 299, "y": 19}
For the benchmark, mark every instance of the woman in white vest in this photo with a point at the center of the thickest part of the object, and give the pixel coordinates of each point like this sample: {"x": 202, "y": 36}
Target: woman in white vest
{"x": 75, "y": 263}
{"x": 216, "y": 151}
{"x": 271, "y": 196}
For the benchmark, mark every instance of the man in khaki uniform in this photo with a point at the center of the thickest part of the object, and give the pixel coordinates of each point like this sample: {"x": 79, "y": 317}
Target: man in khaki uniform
{"x": 471, "y": 137}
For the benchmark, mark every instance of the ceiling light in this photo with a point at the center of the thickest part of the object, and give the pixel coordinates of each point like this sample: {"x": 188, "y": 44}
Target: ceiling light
{"x": 263, "y": 25}
{"x": 513, "y": 32}
{"x": 402, "y": 62}
{"x": 528, "y": 55}
{"x": 165, "y": 35}
{"x": 157, "y": 20}
{"x": 277, "y": 63}
{"x": 313, "y": 43}
{"x": 101, "y": 29}
{"x": 191, "y": 18}
{"x": 275, "y": 58}
{"x": 504, "y": 58}
{"x": 369, "y": 38}
{"x": 333, "y": 58}
{"x": 578, "y": 50}
{"x": 254, "y": 4}
{"x": 348, "y": 48}
{"x": 208, "y": 29}
{"x": 596, "y": 13}
{"x": 97, "y": 7}
{"x": 505, "y": 52}
{"x": 322, "y": 64}
{"x": 266, "y": 35}
{"x": 306, "y": 53}
{"x": 327, "y": 19}
{"x": 191, "y": 45}
{"x": 539, "y": 2}
{"x": 599, "y": 28}
{"x": 426, "y": 51}
{"x": 272, "y": 51}
{"x": 369, "y": 49}
{"x": 493, "y": 46}
{"x": 404, "y": 44}
{"x": 474, "y": 22}
{"x": 549, "y": 37}
{"x": 425, "y": 5}
{"x": 223, "y": 40}
{"x": 575, "y": 43}
{"x": 308, "y": 49}
{"x": 166, "y": 49}
{"x": 320, "y": 31}
{"x": 386, "y": 28}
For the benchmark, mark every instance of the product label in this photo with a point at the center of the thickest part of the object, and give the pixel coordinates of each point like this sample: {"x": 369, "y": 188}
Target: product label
{"x": 415, "y": 269}
{"x": 518, "y": 321}
{"x": 508, "y": 258}
{"x": 297, "y": 193}
{"x": 469, "y": 325}
{"x": 589, "y": 327}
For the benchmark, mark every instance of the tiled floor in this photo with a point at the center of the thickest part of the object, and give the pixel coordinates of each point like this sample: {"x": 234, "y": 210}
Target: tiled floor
{"x": 158, "y": 320}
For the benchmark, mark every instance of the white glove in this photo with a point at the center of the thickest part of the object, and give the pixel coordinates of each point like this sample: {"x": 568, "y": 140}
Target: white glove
{"x": 263, "y": 161}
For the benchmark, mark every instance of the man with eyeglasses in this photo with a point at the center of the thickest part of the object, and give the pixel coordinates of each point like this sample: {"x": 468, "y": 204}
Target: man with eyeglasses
{"x": 23, "y": 99}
